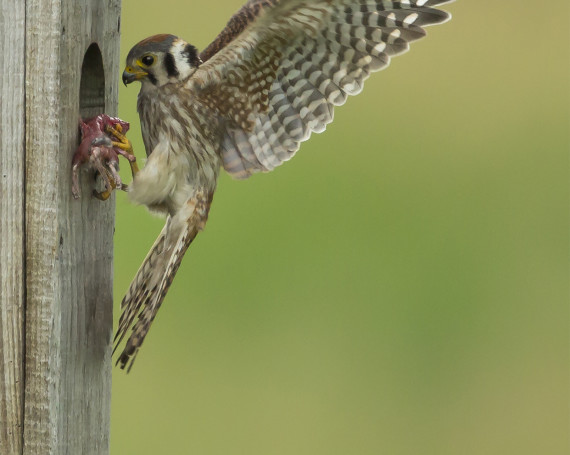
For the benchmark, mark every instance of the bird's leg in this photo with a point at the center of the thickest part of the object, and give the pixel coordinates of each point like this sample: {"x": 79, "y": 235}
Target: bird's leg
{"x": 108, "y": 173}
{"x": 109, "y": 179}
{"x": 113, "y": 169}
{"x": 124, "y": 147}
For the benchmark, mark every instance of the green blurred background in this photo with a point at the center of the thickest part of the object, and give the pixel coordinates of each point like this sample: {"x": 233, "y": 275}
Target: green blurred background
{"x": 400, "y": 287}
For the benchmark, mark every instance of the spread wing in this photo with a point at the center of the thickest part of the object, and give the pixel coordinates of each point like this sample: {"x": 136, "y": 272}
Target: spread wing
{"x": 276, "y": 72}
{"x": 237, "y": 24}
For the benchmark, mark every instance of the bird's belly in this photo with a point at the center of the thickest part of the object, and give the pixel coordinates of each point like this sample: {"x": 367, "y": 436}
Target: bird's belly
{"x": 174, "y": 172}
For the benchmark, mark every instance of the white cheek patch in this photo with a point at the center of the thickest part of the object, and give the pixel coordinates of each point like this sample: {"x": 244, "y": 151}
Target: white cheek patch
{"x": 181, "y": 58}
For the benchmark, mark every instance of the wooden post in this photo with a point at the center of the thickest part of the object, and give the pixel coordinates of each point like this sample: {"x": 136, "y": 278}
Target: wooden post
{"x": 12, "y": 118}
{"x": 59, "y": 62}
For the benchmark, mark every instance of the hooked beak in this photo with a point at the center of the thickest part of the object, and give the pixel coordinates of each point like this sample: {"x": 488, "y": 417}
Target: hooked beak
{"x": 131, "y": 74}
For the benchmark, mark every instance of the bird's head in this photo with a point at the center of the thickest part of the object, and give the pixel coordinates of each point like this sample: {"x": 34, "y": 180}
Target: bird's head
{"x": 159, "y": 60}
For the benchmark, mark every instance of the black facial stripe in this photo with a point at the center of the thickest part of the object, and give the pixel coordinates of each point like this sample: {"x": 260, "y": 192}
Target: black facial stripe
{"x": 151, "y": 78}
{"x": 191, "y": 54}
{"x": 170, "y": 65}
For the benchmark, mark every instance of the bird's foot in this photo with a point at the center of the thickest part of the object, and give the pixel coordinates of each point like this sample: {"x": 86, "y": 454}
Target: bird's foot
{"x": 123, "y": 146}
{"x": 110, "y": 185}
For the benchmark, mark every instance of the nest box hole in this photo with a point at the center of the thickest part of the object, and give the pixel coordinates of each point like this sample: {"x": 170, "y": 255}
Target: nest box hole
{"x": 92, "y": 87}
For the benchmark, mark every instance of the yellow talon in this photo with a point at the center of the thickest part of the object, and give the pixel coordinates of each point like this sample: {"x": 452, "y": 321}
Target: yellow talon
{"x": 124, "y": 144}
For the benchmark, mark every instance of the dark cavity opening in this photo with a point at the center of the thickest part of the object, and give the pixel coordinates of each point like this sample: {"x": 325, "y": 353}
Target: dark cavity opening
{"x": 92, "y": 88}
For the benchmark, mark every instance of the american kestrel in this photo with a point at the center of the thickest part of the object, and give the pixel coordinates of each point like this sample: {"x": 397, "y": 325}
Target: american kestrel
{"x": 271, "y": 78}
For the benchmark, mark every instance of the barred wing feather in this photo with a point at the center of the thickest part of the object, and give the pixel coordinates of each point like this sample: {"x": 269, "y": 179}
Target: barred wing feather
{"x": 288, "y": 63}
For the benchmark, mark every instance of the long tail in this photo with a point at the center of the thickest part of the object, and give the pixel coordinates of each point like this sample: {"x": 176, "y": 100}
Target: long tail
{"x": 154, "y": 277}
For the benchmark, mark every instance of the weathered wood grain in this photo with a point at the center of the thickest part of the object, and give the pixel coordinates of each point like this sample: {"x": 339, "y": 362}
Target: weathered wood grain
{"x": 55, "y": 252}
{"x": 12, "y": 34}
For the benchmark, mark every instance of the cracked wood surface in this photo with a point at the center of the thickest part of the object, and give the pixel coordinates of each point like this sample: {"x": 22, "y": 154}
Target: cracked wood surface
{"x": 56, "y": 253}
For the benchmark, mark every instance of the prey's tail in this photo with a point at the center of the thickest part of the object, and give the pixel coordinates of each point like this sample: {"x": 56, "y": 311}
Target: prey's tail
{"x": 151, "y": 283}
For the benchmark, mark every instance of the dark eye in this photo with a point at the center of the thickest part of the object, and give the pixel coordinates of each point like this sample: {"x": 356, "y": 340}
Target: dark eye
{"x": 147, "y": 60}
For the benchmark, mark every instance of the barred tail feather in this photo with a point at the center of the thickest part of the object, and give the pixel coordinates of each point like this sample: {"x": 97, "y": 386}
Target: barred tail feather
{"x": 154, "y": 277}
